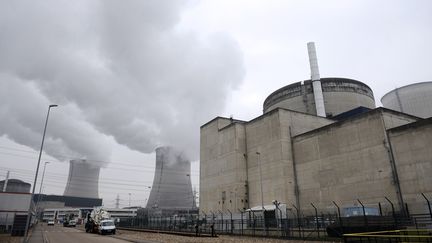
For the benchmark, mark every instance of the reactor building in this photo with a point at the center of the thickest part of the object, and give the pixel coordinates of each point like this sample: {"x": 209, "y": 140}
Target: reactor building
{"x": 414, "y": 99}
{"x": 83, "y": 179}
{"x": 15, "y": 185}
{"x": 318, "y": 141}
{"x": 172, "y": 187}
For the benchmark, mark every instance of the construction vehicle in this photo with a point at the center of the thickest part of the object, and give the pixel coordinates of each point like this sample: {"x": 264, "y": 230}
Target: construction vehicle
{"x": 99, "y": 221}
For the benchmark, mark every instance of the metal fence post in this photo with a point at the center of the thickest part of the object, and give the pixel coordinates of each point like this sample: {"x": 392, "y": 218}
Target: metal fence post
{"x": 231, "y": 222}
{"x": 428, "y": 203}
{"x": 298, "y": 220}
{"x": 340, "y": 219}
{"x": 393, "y": 212}
{"x": 241, "y": 217}
{"x": 316, "y": 220}
{"x": 222, "y": 223}
{"x": 364, "y": 215}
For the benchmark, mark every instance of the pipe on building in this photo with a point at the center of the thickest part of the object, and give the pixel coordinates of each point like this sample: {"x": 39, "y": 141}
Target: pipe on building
{"x": 316, "y": 83}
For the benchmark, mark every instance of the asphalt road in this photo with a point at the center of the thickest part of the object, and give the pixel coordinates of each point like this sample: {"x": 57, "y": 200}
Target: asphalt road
{"x": 61, "y": 234}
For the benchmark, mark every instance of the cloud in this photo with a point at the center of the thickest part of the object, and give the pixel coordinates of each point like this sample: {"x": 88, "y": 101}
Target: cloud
{"x": 117, "y": 69}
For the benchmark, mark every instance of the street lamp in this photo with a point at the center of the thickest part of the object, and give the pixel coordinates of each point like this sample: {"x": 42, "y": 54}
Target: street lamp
{"x": 37, "y": 171}
{"x": 40, "y": 188}
{"x": 262, "y": 194}
{"x": 43, "y": 175}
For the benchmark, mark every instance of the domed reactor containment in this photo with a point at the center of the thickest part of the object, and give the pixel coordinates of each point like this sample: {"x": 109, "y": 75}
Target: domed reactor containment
{"x": 324, "y": 97}
{"x": 15, "y": 185}
{"x": 172, "y": 187}
{"x": 413, "y": 99}
{"x": 340, "y": 95}
{"x": 83, "y": 180}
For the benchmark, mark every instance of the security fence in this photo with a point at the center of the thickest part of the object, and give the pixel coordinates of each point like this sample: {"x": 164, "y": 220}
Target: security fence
{"x": 291, "y": 223}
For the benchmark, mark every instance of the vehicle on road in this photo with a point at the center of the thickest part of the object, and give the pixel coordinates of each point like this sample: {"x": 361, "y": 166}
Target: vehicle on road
{"x": 99, "y": 221}
{"x": 50, "y": 222}
{"x": 107, "y": 227}
{"x": 69, "y": 220}
{"x": 72, "y": 223}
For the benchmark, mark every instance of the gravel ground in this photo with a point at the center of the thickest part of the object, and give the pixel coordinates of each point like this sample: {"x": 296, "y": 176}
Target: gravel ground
{"x": 166, "y": 238}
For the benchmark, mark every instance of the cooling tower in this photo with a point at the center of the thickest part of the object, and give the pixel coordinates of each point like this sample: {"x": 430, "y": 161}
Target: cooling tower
{"x": 172, "y": 187}
{"x": 340, "y": 95}
{"x": 414, "y": 99}
{"x": 83, "y": 180}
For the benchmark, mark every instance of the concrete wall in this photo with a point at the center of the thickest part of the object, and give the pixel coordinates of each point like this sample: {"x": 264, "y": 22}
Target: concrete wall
{"x": 223, "y": 166}
{"x": 411, "y": 146}
{"x": 12, "y": 204}
{"x": 229, "y": 163}
{"x": 346, "y": 161}
{"x": 327, "y": 160}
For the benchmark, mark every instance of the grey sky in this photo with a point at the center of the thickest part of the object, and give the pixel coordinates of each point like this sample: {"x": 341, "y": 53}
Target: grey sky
{"x": 133, "y": 75}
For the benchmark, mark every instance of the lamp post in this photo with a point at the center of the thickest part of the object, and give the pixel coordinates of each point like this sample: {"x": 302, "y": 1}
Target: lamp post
{"x": 40, "y": 188}
{"x": 43, "y": 175}
{"x": 262, "y": 194}
{"x": 37, "y": 171}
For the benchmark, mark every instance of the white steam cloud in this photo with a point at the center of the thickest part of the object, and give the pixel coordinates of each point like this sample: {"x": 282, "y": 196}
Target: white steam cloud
{"x": 121, "y": 71}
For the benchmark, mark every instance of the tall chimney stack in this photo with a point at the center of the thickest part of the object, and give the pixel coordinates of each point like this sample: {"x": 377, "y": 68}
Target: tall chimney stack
{"x": 316, "y": 83}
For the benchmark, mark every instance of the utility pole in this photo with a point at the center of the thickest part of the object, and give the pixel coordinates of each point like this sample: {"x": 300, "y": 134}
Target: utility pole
{"x": 118, "y": 201}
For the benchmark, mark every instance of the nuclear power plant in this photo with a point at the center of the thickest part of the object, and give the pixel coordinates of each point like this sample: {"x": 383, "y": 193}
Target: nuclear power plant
{"x": 172, "y": 187}
{"x": 83, "y": 179}
{"x": 321, "y": 142}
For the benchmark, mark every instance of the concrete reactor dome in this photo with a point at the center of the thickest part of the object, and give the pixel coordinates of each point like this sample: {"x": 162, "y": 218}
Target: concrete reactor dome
{"x": 172, "y": 187}
{"x": 340, "y": 95}
{"x": 83, "y": 180}
{"x": 15, "y": 185}
{"x": 414, "y": 99}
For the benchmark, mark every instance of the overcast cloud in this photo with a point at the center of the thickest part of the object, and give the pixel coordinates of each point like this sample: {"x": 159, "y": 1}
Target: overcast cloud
{"x": 120, "y": 71}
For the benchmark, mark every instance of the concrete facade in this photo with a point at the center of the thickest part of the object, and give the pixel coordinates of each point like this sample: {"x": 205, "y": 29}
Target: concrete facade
{"x": 301, "y": 159}
{"x": 413, "y": 158}
{"x": 230, "y": 166}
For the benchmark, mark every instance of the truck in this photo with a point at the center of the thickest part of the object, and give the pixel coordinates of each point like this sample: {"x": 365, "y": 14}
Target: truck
{"x": 69, "y": 220}
{"x": 99, "y": 221}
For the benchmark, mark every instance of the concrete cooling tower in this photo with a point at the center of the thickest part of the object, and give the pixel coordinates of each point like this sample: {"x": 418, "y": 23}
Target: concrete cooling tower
{"x": 83, "y": 180}
{"x": 172, "y": 187}
{"x": 414, "y": 99}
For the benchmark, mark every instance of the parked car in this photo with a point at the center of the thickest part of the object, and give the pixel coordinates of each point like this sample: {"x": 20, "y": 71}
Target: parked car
{"x": 72, "y": 223}
{"x": 50, "y": 222}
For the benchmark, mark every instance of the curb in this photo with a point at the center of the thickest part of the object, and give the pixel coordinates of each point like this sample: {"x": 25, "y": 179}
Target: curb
{"x": 169, "y": 232}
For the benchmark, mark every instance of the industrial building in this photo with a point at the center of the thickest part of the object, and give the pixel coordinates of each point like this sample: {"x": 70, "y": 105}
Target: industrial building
{"x": 15, "y": 200}
{"x": 80, "y": 213}
{"x": 172, "y": 187}
{"x": 414, "y": 99}
{"x": 319, "y": 141}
